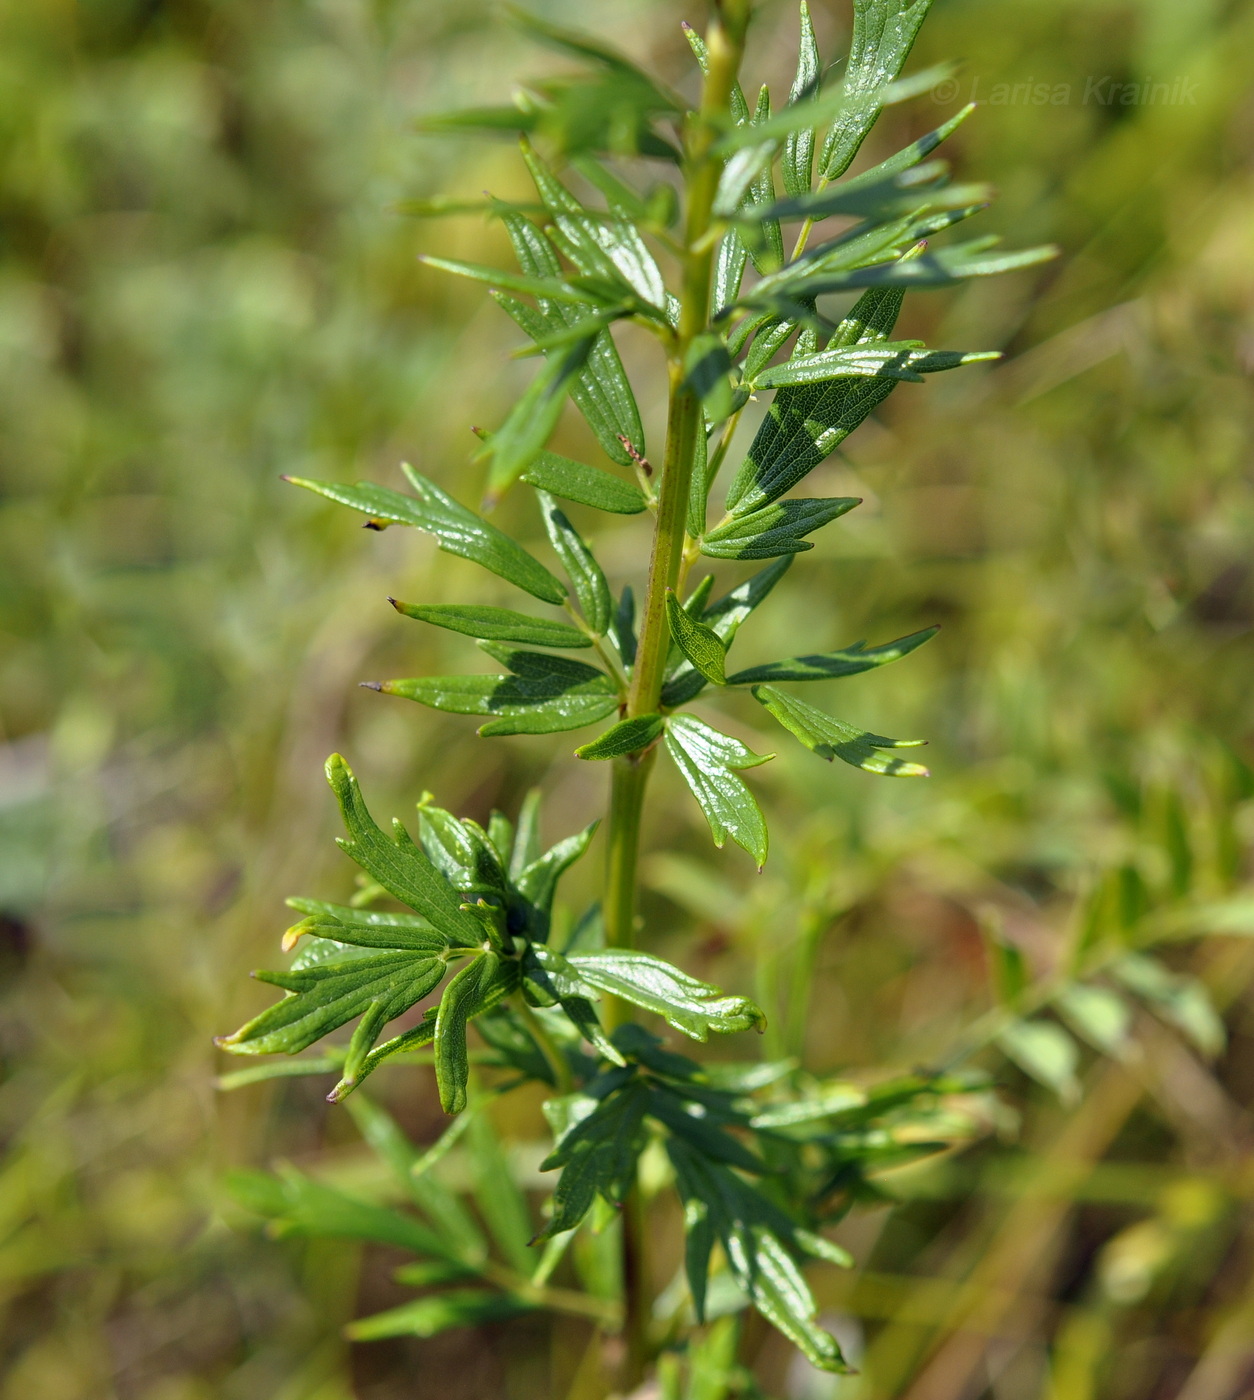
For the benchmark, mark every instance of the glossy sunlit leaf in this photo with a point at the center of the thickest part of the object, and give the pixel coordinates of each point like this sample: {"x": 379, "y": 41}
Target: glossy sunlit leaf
{"x": 775, "y": 529}
{"x": 589, "y": 486}
{"x": 457, "y": 530}
{"x": 627, "y": 736}
{"x": 798, "y": 157}
{"x": 899, "y": 360}
{"x": 478, "y": 987}
{"x": 495, "y": 624}
{"x": 700, "y": 644}
{"x": 883, "y": 35}
{"x": 590, "y": 588}
{"x": 690, "y": 1005}
{"x": 833, "y": 738}
{"x": 396, "y": 863}
{"x": 829, "y": 665}
{"x": 709, "y": 760}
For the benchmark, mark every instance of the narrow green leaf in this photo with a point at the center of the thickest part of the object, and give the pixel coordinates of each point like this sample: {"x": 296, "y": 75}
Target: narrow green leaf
{"x": 798, "y": 157}
{"x": 775, "y": 529}
{"x": 598, "y": 1155}
{"x": 624, "y": 634}
{"x": 461, "y": 851}
{"x": 554, "y": 288}
{"x": 589, "y": 486}
{"x": 527, "y": 845}
{"x": 696, "y": 1008}
{"x": 537, "y": 881}
{"x": 437, "y": 1312}
{"x": 852, "y": 661}
{"x": 707, "y": 759}
{"x": 701, "y": 645}
{"x": 534, "y": 416}
{"x": 894, "y": 361}
{"x": 477, "y": 988}
{"x": 911, "y": 155}
{"x": 833, "y": 738}
{"x": 627, "y": 736}
{"x": 366, "y": 928}
{"x": 457, "y": 530}
{"x": 591, "y": 590}
{"x": 495, "y": 624}
{"x": 883, "y": 35}
{"x": 677, "y": 1113}
{"x": 396, "y": 863}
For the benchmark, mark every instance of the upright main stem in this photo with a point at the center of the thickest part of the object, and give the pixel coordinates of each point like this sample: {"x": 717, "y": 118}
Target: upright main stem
{"x": 725, "y": 46}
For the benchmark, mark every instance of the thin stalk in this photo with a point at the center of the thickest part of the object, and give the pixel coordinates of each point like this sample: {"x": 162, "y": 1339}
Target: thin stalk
{"x": 630, "y": 776}
{"x": 563, "y": 1080}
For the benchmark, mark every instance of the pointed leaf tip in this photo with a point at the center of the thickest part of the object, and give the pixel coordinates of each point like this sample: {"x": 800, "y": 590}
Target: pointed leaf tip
{"x": 370, "y": 685}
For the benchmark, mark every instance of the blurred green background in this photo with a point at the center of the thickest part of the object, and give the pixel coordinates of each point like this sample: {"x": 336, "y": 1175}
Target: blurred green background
{"x": 205, "y": 282}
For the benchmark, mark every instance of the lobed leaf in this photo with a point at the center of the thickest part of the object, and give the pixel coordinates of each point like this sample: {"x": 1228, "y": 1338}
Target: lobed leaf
{"x": 758, "y": 1242}
{"x": 598, "y": 1155}
{"x": 833, "y": 738}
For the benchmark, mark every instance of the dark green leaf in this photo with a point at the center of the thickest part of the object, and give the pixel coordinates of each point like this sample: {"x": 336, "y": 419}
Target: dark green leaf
{"x": 537, "y": 881}
{"x": 910, "y": 191}
{"x": 833, "y": 738}
{"x": 775, "y": 529}
{"x": 457, "y": 530}
{"x": 724, "y": 617}
{"x": 366, "y": 928}
{"x": 707, "y": 759}
{"x": 701, "y": 645}
{"x": 759, "y": 1242}
{"x": 396, "y": 863}
{"x": 624, "y": 633}
{"x": 437, "y": 1312}
{"x": 829, "y": 665}
{"x": 688, "y": 1120}
{"x": 805, "y": 424}
{"x": 590, "y": 486}
{"x": 910, "y": 156}
{"x": 527, "y": 844}
{"x": 627, "y": 736}
{"x": 477, "y": 988}
{"x": 799, "y": 147}
{"x": 591, "y": 590}
{"x": 496, "y": 624}
{"x": 461, "y": 851}
{"x": 691, "y": 1006}
{"x": 598, "y": 1156}
{"x": 883, "y": 35}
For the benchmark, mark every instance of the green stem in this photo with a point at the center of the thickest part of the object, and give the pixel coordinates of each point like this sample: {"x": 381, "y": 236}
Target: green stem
{"x": 563, "y": 1080}
{"x": 702, "y": 168}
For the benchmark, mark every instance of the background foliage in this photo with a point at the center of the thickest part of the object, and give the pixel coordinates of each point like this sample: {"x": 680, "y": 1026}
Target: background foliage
{"x": 205, "y": 283}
